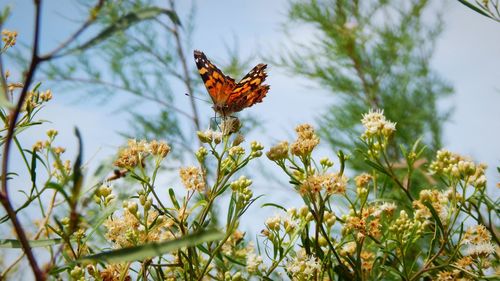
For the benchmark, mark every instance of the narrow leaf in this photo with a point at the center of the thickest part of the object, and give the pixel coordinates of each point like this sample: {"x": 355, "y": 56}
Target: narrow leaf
{"x": 274, "y": 205}
{"x": 125, "y": 23}
{"x": 436, "y": 217}
{"x": 173, "y": 199}
{"x": 77, "y": 172}
{"x": 155, "y": 249}
{"x": 476, "y": 9}
{"x": 14, "y": 243}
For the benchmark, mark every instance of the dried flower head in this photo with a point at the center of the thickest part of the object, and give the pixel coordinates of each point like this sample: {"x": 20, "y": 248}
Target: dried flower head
{"x": 132, "y": 155}
{"x": 239, "y": 139}
{"x": 230, "y": 125}
{"x": 362, "y": 180}
{"x": 306, "y": 142}
{"x": 160, "y": 149}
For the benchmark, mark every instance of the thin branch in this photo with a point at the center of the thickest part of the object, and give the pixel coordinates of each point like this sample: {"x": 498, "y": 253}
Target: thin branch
{"x": 120, "y": 87}
{"x": 43, "y": 226}
{"x": 55, "y": 53}
{"x": 14, "y": 114}
{"x": 187, "y": 77}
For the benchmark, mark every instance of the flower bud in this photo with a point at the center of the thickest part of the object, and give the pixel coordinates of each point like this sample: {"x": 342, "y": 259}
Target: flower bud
{"x": 239, "y": 139}
{"x": 201, "y": 154}
{"x": 326, "y": 162}
{"x": 255, "y": 146}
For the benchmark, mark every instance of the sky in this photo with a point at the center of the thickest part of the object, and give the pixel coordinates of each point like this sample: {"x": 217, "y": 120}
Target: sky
{"x": 467, "y": 56}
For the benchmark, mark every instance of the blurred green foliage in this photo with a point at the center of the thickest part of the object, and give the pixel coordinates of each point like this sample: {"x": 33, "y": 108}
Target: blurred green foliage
{"x": 371, "y": 55}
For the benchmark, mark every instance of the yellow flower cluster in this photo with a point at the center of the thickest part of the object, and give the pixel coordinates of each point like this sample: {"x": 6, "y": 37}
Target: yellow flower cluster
{"x": 209, "y": 136}
{"x": 192, "y": 178}
{"x": 438, "y": 200}
{"x": 35, "y": 99}
{"x": 278, "y": 152}
{"x": 242, "y": 190}
{"x": 332, "y": 183}
{"x": 459, "y": 167}
{"x": 104, "y": 196}
{"x": 365, "y": 224}
{"x": 367, "y": 259}
{"x": 404, "y": 227}
{"x": 136, "y": 151}
{"x": 115, "y": 271}
{"x": 61, "y": 170}
{"x": 9, "y": 38}
{"x": 306, "y": 142}
{"x": 363, "y": 180}
{"x": 127, "y": 231}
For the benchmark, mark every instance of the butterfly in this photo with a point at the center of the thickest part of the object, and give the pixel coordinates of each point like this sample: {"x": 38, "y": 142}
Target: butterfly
{"x": 227, "y": 95}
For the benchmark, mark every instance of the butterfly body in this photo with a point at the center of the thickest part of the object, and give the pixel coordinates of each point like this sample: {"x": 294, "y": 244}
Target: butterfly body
{"x": 227, "y": 95}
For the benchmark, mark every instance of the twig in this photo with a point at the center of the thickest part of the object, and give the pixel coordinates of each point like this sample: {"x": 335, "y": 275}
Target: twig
{"x": 187, "y": 77}
{"x": 36, "y": 59}
{"x": 37, "y": 235}
{"x": 55, "y": 53}
{"x": 127, "y": 89}
{"x": 4, "y": 194}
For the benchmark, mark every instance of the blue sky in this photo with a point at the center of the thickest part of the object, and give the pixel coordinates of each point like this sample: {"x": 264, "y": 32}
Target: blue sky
{"x": 467, "y": 55}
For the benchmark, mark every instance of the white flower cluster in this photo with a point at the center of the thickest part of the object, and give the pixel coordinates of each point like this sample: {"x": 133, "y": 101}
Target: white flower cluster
{"x": 303, "y": 267}
{"x": 376, "y": 124}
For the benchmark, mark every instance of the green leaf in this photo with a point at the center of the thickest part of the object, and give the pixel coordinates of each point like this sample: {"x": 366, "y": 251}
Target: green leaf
{"x": 436, "y": 217}
{"x": 173, "y": 199}
{"x": 5, "y": 103}
{"x": 377, "y": 167}
{"x": 58, "y": 187}
{"x": 33, "y": 168}
{"x": 474, "y": 8}
{"x": 235, "y": 261}
{"x": 14, "y": 243}
{"x": 231, "y": 209}
{"x": 273, "y": 205}
{"x": 125, "y": 23}
{"x": 103, "y": 215}
{"x": 155, "y": 249}
{"x": 77, "y": 172}
{"x": 5, "y": 14}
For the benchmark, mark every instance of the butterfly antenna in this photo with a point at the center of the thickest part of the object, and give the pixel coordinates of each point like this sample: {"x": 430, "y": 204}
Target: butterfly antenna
{"x": 197, "y": 98}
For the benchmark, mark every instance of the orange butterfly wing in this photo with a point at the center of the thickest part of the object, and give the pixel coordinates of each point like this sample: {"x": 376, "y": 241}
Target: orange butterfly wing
{"x": 249, "y": 90}
{"x": 227, "y": 96}
{"x": 218, "y": 85}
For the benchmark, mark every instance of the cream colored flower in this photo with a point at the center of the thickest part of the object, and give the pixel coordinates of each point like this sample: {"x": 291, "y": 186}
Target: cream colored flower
{"x": 376, "y": 124}
{"x": 278, "y": 152}
{"x": 192, "y": 178}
